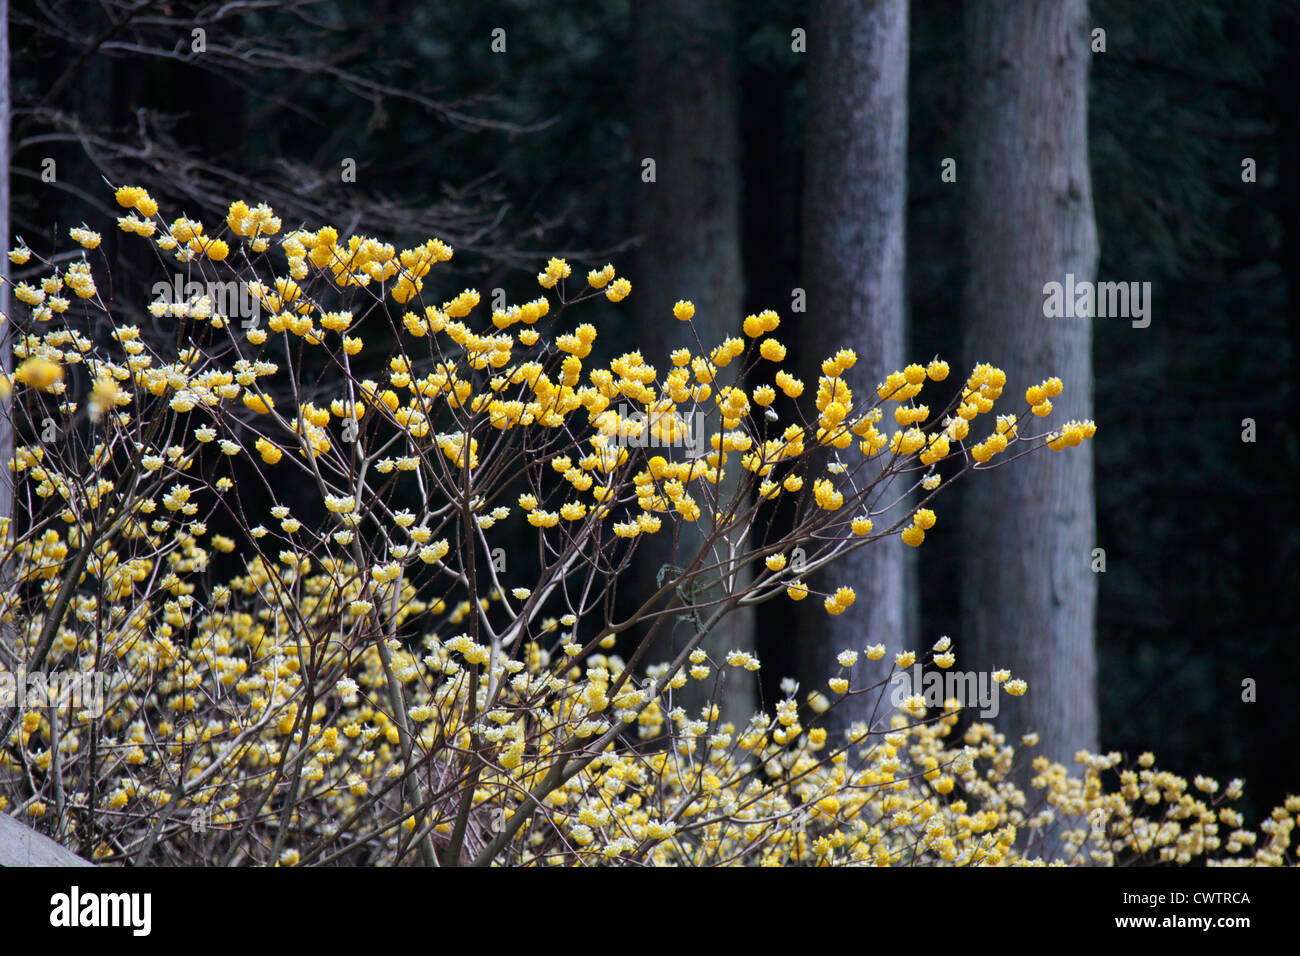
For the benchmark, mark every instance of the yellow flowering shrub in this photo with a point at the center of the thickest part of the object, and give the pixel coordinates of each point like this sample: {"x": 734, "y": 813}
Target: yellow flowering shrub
{"x": 372, "y": 685}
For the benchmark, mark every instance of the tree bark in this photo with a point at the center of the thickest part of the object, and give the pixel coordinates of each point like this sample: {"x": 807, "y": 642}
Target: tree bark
{"x": 1028, "y": 592}
{"x": 855, "y": 192}
{"x": 688, "y": 221}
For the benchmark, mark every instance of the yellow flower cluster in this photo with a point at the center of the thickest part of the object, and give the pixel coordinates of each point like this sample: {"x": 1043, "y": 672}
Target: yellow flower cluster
{"x": 364, "y": 653}
{"x": 840, "y": 601}
{"x": 922, "y": 521}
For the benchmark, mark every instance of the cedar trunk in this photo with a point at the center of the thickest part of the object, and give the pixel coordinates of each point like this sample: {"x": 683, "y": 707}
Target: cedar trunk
{"x": 1028, "y": 592}
{"x": 855, "y": 190}
{"x": 688, "y": 221}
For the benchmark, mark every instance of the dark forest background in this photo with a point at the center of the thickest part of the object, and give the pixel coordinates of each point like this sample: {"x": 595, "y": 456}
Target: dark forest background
{"x": 518, "y": 155}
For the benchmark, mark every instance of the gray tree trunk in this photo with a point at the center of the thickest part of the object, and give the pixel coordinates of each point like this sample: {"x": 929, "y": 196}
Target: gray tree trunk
{"x": 1028, "y": 591}
{"x": 686, "y": 120}
{"x": 855, "y": 191}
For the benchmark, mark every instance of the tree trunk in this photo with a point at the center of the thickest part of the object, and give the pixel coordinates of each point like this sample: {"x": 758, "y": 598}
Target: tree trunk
{"x": 855, "y": 191}
{"x": 688, "y": 220}
{"x": 1028, "y": 591}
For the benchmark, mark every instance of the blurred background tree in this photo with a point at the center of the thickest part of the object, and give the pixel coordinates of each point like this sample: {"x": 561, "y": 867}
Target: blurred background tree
{"x": 854, "y": 276}
{"x": 1028, "y": 584}
{"x": 687, "y": 215}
